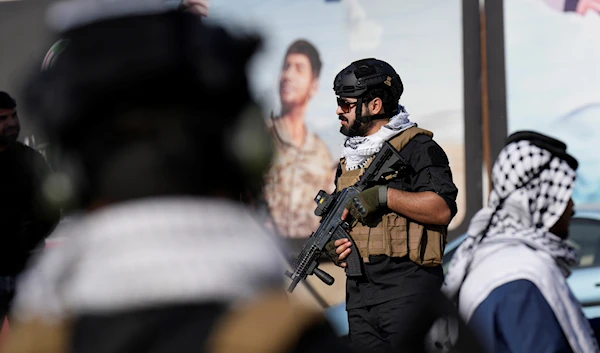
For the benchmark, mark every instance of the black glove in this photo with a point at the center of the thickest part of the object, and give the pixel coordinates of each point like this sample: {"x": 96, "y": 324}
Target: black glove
{"x": 365, "y": 203}
{"x": 330, "y": 251}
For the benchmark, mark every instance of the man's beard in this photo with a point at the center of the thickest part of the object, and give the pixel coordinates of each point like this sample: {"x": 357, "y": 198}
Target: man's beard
{"x": 9, "y": 139}
{"x": 356, "y": 129}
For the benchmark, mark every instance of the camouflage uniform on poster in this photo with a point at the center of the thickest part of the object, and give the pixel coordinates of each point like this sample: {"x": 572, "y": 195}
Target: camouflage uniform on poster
{"x": 302, "y": 164}
{"x": 295, "y": 177}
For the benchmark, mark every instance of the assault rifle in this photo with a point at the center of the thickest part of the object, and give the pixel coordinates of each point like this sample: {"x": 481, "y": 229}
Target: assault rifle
{"x": 387, "y": 163}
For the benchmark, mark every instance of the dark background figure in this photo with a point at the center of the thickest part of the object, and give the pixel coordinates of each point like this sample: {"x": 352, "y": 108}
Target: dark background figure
{"x": 26, "y": 216}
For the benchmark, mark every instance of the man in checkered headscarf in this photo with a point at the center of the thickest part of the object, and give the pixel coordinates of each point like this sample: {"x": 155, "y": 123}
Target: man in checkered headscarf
{"x": 509, "y": 276}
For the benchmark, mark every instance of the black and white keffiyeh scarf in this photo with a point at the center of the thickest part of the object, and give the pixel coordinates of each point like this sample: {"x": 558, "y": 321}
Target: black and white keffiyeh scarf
{"x": 531, "y": 190}
{"x": 358, "y": 149}
{"x": 155, "y": 252}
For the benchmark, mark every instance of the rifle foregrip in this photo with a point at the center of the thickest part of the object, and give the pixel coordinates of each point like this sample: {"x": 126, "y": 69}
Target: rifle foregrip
{"x": 324, "y": 276}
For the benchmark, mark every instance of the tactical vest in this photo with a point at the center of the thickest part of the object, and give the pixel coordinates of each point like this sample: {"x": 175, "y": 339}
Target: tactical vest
{"x": 395, "y": 235}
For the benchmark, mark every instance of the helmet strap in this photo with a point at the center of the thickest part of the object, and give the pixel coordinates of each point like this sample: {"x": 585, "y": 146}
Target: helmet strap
{"x": 359, "y": 102}
{"x": 365, "y": 119}
{"x": 360, "y": 119}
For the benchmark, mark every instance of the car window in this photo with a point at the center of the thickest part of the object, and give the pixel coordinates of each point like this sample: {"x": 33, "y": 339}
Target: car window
{"x": 584, "y": 235}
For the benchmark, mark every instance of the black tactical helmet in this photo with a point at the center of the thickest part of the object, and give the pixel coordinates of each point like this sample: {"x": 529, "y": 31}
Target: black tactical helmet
{"x": 358, "y": 77}
{"x": 361, "y": 76}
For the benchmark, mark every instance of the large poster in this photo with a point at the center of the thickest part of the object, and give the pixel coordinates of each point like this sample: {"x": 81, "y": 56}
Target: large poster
{"x": 307, "y": 43}
{"x": 553, "y": 80}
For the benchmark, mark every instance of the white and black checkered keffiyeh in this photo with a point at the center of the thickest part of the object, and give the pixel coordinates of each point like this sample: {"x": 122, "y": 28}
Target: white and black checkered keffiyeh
{"x": 152, "y": 252}
{"x": 531, "y": 190}
{"x": 358, "y": 149}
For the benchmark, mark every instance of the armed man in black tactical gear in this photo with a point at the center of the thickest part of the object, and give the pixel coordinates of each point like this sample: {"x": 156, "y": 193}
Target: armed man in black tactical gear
{"x": 399, "y": 227}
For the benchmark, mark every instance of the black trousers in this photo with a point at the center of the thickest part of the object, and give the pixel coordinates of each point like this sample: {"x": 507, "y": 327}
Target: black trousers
{"x": 399, "y": 325}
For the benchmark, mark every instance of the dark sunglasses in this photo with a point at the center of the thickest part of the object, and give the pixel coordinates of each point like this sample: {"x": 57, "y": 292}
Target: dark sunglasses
{"x": 13, "y": 115}
{"x": 345, "y": 105}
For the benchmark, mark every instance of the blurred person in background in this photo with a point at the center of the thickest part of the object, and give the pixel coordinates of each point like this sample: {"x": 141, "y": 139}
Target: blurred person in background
{"x": 26, "y": 216}
{"x": 302, "y": 165}
{"x": 509, "y": 276}
{"x": 160, "y": 137}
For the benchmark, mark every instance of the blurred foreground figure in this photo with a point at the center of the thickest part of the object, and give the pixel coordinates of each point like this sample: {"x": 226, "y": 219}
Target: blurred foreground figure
{"x": 509, "y": 275}
{"x": 70, "y": 12}
{"x": 160, "y": 137}
{"x": 26, "y": 216}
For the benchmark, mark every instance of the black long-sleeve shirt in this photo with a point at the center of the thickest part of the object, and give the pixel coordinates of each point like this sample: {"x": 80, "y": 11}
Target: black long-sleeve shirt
{"x": 26, "y": 218}
{"x": 388, "y": 278}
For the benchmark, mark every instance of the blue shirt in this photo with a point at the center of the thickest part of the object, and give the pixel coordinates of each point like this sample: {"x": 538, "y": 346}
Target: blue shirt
{"x": 516, "y": 317}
